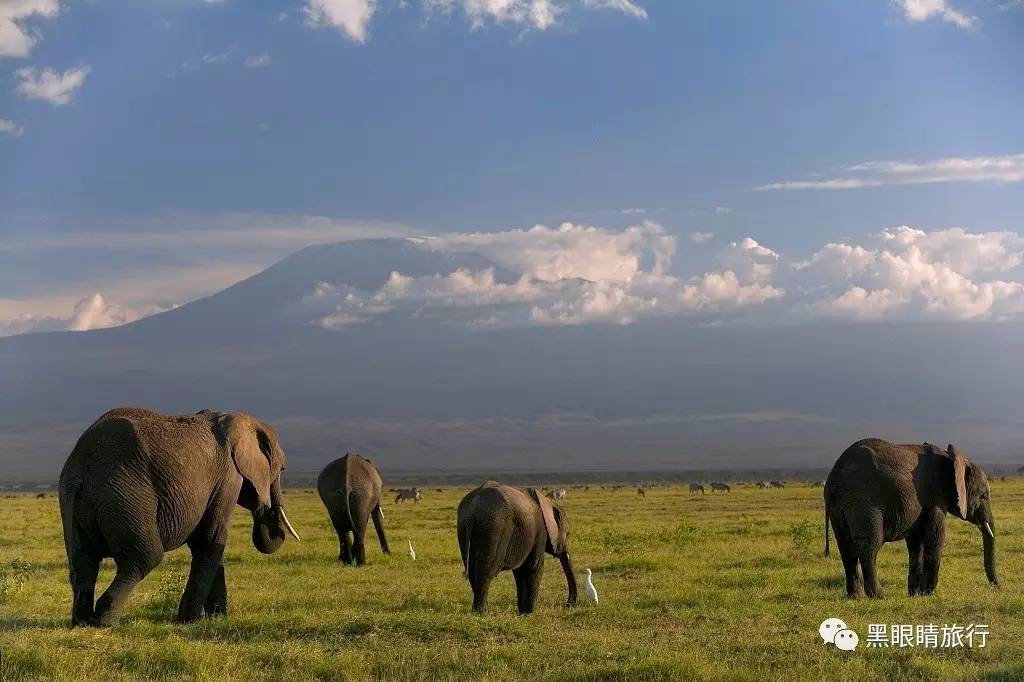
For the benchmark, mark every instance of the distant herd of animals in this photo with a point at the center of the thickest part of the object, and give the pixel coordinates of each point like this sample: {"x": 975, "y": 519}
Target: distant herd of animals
{"x": 138, "y": 484}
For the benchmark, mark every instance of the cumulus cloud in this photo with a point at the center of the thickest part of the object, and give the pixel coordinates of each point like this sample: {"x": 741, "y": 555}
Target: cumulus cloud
{"x": 922, "y": 10}
{"x": 52, "y": 86}
{"x": 568, "y": 251}
{"x": 572, "y": 274}
{"x": 16, "y": 40}
{"x": 91, "y": 312}
{"x": 1003, "y": 169}
{"x": 10, "y": 128}
{"x": 577, "y": 274}
{"x": 913, "y": 274}
{"x": 351, "y": 17}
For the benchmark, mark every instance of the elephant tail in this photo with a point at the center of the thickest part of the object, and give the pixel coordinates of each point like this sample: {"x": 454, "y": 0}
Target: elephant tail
{"x": 348, "y": 509}
{"x": 827, "y": 551}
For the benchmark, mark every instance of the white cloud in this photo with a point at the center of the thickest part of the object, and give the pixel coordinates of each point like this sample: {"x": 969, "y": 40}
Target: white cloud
{"x": 16, "y": 40}
{"x": 922, "y": 10}
{"x": 52, "y": 86}
{"x": 258, "y": 60}
{"x": 91, "y": 312}
{"x": 624, "y": 6}
{"x": 579, "y": 274}
{"x": 352, "y": 17}
{"x": 1002, "y": 169}
{"x": 568, "y": 251}
{"x": 573, "y": 274}
{"x": 908, "y": 274}
{"x": 10, "y": 128}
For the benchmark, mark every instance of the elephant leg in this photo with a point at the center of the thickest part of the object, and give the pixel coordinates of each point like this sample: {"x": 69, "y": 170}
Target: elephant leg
{"x": 378, "y": 525}
{"x": 131, "y": 569}
{"x": 84, "y": 569}
{"x": 481, "y": 584}
{"x": 341, "y": 528}
{"x": 216, "y": 603}
{"x": 934, "y": 540}
{"x": 206, "y": 564}
{"x": 848, "y": 553}
{"x": 359, "y": 545}
{"x": 528, "y": 582}
{"x": 915, "y": 568}
{"x": 868, "y": 564}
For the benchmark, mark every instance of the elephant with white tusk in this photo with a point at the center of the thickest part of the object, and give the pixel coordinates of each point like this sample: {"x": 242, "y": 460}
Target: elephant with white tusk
{"x": 139, "y": 483}
{"x": 879, "y": 492}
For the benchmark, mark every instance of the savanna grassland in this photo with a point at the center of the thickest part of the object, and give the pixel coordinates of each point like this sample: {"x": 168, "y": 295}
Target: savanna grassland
{"x": 726, "y": 586}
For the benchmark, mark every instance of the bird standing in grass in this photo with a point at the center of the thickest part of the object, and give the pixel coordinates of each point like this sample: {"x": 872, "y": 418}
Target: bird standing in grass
{"x": 412, "y": 552}
{"x": 590, "y": 590}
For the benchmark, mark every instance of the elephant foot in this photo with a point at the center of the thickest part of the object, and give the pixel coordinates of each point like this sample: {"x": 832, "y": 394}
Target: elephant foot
{"x": 101, "y": 622}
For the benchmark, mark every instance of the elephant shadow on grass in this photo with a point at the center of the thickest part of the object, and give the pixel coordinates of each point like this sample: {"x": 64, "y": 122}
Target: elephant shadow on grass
{"x": 17, "y": 623}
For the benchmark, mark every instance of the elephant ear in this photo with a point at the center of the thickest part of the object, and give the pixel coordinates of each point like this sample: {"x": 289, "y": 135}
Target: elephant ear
{"x": 959, "y": 478}
{"x": 547, "y": 511}
{"x": 251, "y": 447}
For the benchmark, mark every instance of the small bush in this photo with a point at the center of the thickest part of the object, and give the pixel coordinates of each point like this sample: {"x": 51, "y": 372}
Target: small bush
{"x": 13, "y": 577}
{"x": 803, "y": 534}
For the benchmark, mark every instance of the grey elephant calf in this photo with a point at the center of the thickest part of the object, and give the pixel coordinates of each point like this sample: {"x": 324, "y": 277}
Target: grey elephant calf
{"x": 503, "y": 528}
{"x": 138, "y": 484}
{"x": 879, "y": 492}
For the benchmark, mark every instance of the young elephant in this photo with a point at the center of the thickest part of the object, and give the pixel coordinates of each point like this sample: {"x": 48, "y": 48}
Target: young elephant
{"x": 350, "y": 488}
{"x": 504, "y": 528}
{"x": 879, "y": 492}
{"x": 138, "y": 484}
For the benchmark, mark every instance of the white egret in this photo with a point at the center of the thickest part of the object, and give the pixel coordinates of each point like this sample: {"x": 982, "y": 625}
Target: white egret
{"x": 590, "y": 590}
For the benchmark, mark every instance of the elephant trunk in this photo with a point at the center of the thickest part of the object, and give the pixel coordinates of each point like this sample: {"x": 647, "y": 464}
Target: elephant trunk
{"x": 269, "y": 525}
{"x": 570, "y": 578}
{"x": 988, "y": 537}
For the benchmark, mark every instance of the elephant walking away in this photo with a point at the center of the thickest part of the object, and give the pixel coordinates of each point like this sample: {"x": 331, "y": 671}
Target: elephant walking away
{"x": 719, "y": 486}
{"x": 350, "y": 489}
{"x": 880, "y": 492}
{"x": 503, "y": 528}
{"x": 138, "y": 484}
{"x": 696, "y": 488}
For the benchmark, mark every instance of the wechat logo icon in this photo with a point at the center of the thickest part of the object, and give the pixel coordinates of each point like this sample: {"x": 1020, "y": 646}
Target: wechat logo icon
{"x": 835, "y": 631}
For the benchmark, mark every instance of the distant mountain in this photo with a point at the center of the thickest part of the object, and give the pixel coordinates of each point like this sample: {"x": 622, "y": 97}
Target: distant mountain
{"x": 418, "y": 391}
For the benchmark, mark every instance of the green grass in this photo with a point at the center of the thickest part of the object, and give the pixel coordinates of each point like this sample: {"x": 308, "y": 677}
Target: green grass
{"x": 726, "y": 586}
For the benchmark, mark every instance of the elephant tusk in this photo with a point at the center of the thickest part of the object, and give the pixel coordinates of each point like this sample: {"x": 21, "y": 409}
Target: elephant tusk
{"x": 288, "y": 525}
{"x": 988, "y": 529}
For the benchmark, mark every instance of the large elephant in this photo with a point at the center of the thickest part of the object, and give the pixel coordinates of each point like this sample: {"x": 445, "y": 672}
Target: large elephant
{"x": 879, "y": 492}
{"x": 504, "y": 528}
{"x": 139, "y": 483}
{"x": 350, "y": 488}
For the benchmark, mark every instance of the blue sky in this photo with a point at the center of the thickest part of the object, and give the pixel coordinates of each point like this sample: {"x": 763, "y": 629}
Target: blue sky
{"x": 276, "y": 124}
